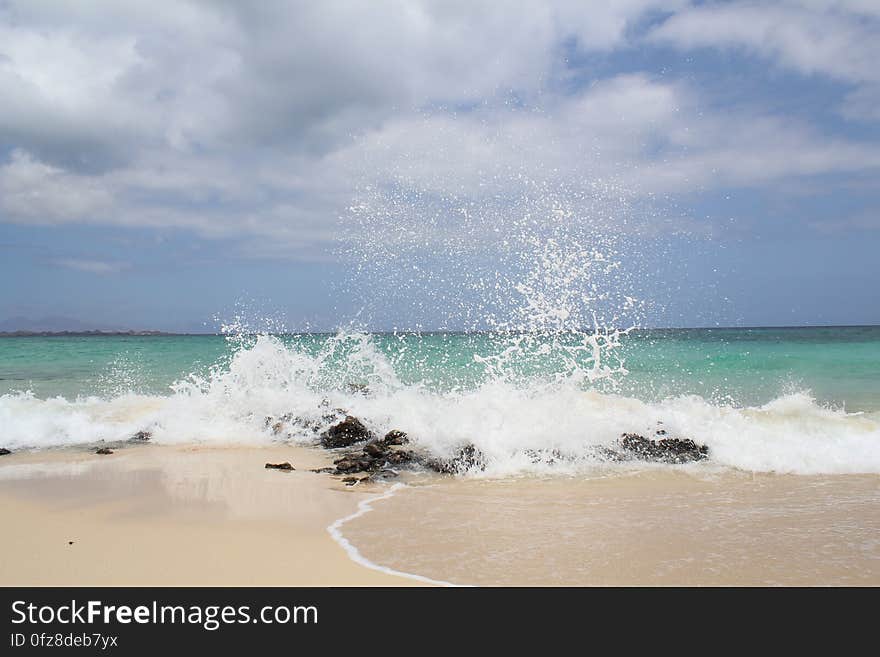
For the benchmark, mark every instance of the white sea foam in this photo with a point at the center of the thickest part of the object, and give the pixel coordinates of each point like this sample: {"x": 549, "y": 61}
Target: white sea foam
{"x": 365, "y": 506}
{"x": 541, "y": 427}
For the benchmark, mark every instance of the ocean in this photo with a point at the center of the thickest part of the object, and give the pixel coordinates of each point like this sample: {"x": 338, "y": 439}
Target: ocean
{"x": 786, "y": 400}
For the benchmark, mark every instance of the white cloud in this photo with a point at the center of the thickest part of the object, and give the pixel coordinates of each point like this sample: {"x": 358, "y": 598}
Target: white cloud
{"x": 191, "y": 75}
{"x": 631, "y": 135}
{"x": 31, "y": 190}
{"x": 258, "y": 120}
{"x": 645, "y": 135}
{"x": 840, "y": 40}
{"x": 808, "y": 37}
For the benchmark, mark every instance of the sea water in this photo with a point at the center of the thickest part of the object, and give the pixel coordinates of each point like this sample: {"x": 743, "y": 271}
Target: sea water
{"x": 794, "y": 400}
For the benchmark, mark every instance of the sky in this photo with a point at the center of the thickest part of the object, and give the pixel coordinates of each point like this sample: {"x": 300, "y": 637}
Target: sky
{"x": 169, "y": 165}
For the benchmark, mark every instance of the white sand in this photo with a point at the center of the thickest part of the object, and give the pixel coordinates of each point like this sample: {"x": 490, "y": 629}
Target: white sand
{"x": 153, "y": 515}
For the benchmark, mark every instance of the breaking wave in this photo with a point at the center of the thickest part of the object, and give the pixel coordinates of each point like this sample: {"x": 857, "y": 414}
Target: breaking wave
{"x": 538, "y": 281}
{"x": 538, "y": 422}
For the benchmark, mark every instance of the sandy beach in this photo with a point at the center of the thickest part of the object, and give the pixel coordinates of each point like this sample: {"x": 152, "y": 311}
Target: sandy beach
{"x": 161, "y": 515}
{"x": 165, "y": 516}
{"x": 695, "y": 526}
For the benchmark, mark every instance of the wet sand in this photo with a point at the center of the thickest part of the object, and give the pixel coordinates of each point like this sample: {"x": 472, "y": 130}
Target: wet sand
{"x": 653, "y": 528}
{"x": 151, "y": 515}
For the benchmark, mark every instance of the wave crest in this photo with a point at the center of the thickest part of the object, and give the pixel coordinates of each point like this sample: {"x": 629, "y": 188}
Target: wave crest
{"x": 531, "y": 424}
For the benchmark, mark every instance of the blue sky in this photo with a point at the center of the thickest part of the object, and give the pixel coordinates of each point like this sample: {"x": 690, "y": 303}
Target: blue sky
{"x": 161, "y": 167}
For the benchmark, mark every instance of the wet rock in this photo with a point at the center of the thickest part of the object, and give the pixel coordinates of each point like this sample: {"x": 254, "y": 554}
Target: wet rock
{"x": 333, "y": 413}
{"x": 375, "y": 448}
{"x": 608, "y": 454}
{"x": 290, "y": 422}
{"x": 283, "y": 424}
{"x": 344, "y": 461}
{"x": 103, "y": 450}
{"x": 141, "y": 436}
{"x": 395, "y": 437}
{"x": 358, "y": 389}
{"x": 399, "y": 457}
{"x": 346, "y": 433}
{"x": 327, "y": 470}
{"x": 273, "y": 421}
{"x": 375, "y": 457}
{"x": 353, "y": 481}
{"x": 280, "y": 466}
{"x": 467, "y": 458}
{"x": 548, "y": 456}
{"x": 4, "y": 451}
{"x": 369, "y": 464}
{"x": 355, "y": 463}
{"x": 668, "y": 450}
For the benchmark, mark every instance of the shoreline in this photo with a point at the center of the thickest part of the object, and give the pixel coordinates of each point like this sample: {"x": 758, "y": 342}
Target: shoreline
{"x": 364, "y": 507}
{"x": 654, "y": 527}
{"x": 177, "y": 516}
{"x": 215, "y": 516}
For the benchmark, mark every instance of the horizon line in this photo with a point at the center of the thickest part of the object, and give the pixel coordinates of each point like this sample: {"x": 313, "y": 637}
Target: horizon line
{"x": 159, "y": 333}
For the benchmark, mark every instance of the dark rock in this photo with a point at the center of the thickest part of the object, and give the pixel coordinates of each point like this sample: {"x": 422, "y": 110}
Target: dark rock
{"x": 467, "y": 458}
{"x": 358, "y": 389}
{"x": 334, "y": 413}
{"x": 285, "y": 424}
{"x": 272, "y": 421}
{"x": 374, "y": 458}
{"x": 354, "y": 463}
{"x": 4, "y": 451}
{"x": 375, "y": 448}
{"x": 104, "y": 450}
{"x": 669, "y": 450}
{"x": 548, "y": 456}
{"x": 70, "y": 542}
{"x": 141, "y": 436}
{"x": 608, "y": 454}
{"x": 313, "y": 426}
{"x": 327, "y": 470}
{"x": 346, "y": 433}
{"x": 280, "y": 466}
{"x": 399, "y": 457}
{"x": 353, "y": 481}
{"x": 395, "y": 437}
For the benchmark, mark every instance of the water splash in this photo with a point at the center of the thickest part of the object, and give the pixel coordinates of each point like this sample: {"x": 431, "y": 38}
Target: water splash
{"x": 530, "y": 426}
{"x": 548, "y": 270}
{"x": 543, "y": 280}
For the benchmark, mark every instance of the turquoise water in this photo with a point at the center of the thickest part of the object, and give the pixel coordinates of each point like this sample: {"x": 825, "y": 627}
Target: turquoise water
{"x": 803, "y": 400}
{"x": 839, "y": 366}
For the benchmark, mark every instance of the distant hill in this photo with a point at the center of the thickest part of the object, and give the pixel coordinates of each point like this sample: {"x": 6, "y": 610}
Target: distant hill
{"x": 25, "y": 334}
{"x": 63, "y": 326}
